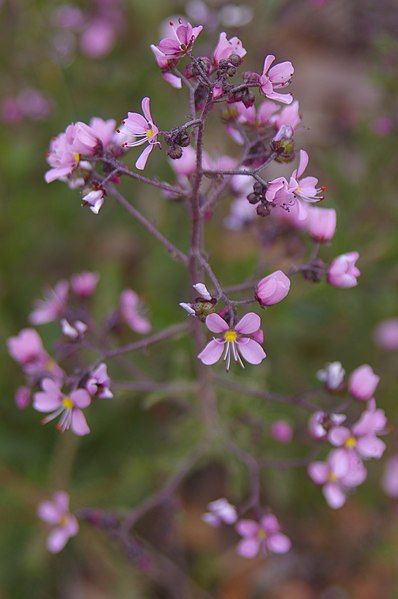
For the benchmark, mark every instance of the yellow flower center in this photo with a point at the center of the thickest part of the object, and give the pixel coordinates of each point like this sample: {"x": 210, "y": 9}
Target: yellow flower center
{"x": 332, "y": 477}
{"x": 262, "y": 534}
{"x": 149, "y": 133}
{"x": 350, "y": 442}
{"x": 230, "y": 336}
{"x": 76, "y": 158}
{"x": 67, "y": 403}
{"x": 63, "y": 521}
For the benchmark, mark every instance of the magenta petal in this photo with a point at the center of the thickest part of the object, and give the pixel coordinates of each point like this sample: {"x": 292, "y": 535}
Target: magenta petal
{"x": 303, "y": 162}
{"x": 44, "y": 402}
{"x": 250, "y": 323}
{"x": 247, "y": 528}
{"x": 80, "y": 398}
{"x": 212, "y": 352}
{"x": 338, "y": 435}
{"x": 61, "y": 499}
{"x": 49, "y": 512}
{"x": 318, "y": 472}
{"x": 278, "y": 543}
{"x": 371, "y": 447}
{"x": 283, "y": 98}
{"x": 71, "y": 526}
{"x": 267, "y": 63}
{"x": 339, "y": 462}
{"x": 142, "y": 159}
{"x": 79, "y": 424}
{"x": 252, "y": 351}
{"x": 248, "y": 548}
{"x": 146, "y": 109}
{"x": 216, "y": 324}
{"x": 270, "y": 523}
{"x": 57, "y": 540}
{"x": 334, "y": 495}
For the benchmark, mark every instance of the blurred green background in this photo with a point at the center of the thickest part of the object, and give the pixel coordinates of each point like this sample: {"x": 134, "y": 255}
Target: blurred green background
{"x": 345, "y": 58}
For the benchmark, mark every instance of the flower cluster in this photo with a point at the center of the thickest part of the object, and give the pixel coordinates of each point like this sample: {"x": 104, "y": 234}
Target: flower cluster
{"x": 260, "y": 537}
{"x": 344, "y": 467}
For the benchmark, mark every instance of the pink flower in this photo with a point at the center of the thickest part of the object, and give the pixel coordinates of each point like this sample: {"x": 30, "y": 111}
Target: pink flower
{"x": 103, "y": 130}
{"x": 342, "y": 271}
{"x": 98, "y": 385}
{"x": 280, "y": 194}
{"x": 94, "y": 199}
{"x": 332, "y": 375}
{"x": 320, "y": 424}
{"x": 137, "y": 130}
{"x": 342, "y": 471}
{"x": 304, "y": 188}
{"x": 62, "y": 157}
{"x": 235, "y": 341}
{"x": 226, "y": 47}
{"x": 52, "y": 306}
{"x": 220, "y": 511}
{"x": 165, "y": 64}
{"x": 386, "y": 334}
{"x": 64, "y": 524}
{"x": 289, "y": 116}
{"x": 182, "y": 37}
{"x": 27, "y": 348}
{"x": 22, "y": 397}
{"x": 390, "y": 477}
{"x": 68, "y": 407}
{"x": 84, "y": 284}
{"x": 98, "y": 39}
{"x": 263, "y": 536}
{"x": 363, "y": 382}
{"x": 281, "y": 431}
{"x": 255, "y": 117}
{"x": 276, "y": 77}
{"x": 272, "y": 288}
{"x": 186, "y": 165}
{"x": 321, "y": 223}
{"x": 130, "y": 312}
{"x": 362, "y": 437}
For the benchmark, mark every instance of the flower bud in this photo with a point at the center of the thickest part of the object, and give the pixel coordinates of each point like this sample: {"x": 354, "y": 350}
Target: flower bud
{"x": 174, "y": 152}
{"x": 281, "y": 431}
{"x": 253, "y": 198}
{"x": 342, "y": 271}
{"x": 363, "y": 382}
{"x": 321, "y": 223}
{"x": 332, "y": 375}
{"x": 272, "y": 289}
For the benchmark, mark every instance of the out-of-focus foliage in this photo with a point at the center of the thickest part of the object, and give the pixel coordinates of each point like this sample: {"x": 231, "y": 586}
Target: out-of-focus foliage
{"x": 346, "y": 62}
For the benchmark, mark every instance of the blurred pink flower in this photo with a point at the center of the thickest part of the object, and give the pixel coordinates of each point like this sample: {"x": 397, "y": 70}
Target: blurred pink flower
{"x": 52, "y": 306}
{"x": 64, "y": 524}
{"x": 289, "y": 116}
{"x": 130, "y": 311}
{"x": 321, "y": 423}
{"x": 272, "y": 289}
{"x": 22, "y": 397}
{"x": 281, "y": 431}
{"x": 98, "y": 384}
{"x": 386, "y": 334}
{"x": 261, "y": 537}
{"x": 220, "y": 511}
{"x": 276, "y": 77}
{"x": 362, "y": 437}
{"x": 84, "y": 284}
{"x": 103, "y": 130}
{"x": 67, "y": 407}
{"x": 362, "y": 382}
{"x": 332, "y": 375}
{"x": 98, "y": 38}
{"x": 137, "y": 130}
{"x": 342, "y": 271}
{"x": 321, "y": 223}
{"x": 235, "y": 341}
{"x": 389, "y": 481}
{"x": 341, "y": 471}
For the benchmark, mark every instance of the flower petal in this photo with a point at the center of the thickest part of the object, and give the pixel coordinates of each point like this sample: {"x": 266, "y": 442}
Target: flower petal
{"x": 79, "y": 424}
{"x": 216, "y": 324}
{"x": 143, "y": 157}
{"x": 252, "y": 351}
{"x": 278, "y": 543}
{"x": 250, "y": 323}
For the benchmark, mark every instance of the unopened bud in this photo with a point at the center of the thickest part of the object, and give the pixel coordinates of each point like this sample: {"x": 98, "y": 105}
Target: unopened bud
{"x": 174, "y": 152}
